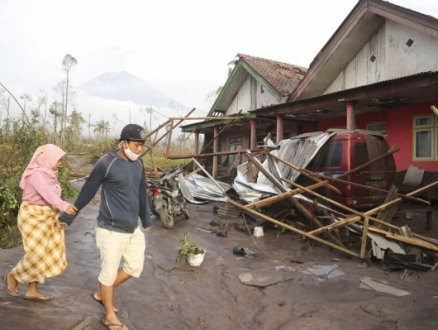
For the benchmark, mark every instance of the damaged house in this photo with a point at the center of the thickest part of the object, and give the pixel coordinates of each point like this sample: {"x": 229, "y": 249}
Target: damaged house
{"x": 377, "y": 74}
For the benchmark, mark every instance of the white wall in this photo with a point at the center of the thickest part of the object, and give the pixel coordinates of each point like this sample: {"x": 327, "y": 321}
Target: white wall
{"x": 250, "y": 97}
{"x": 394, "y": 59}
{"x": 242, "y": 100}
{"x": 263, "y": 99}
{"x": 361, "y": 71}
{"x": 402, "y": 60}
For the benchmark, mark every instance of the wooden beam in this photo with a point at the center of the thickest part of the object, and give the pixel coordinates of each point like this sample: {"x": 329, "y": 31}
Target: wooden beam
{"x": 294, "y": 202}
{"x": 207, "y": 118}
{"x": 364, "y": 237}
{"x": 330, "y": 179}
{"x": 280, "y": 197}
{"x": 353, "y": 219}
{"x": 309, "y": 174}
{"x": 160, "y": 127}
{"x": 219, "y": 133}
{"x": 293, "y": 229}
{"x": 220, "y": 153}
{"x": 339, "y": 205}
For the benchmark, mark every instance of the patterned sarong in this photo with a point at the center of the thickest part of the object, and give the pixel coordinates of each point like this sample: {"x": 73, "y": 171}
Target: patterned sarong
{"x": 43, "y": 242}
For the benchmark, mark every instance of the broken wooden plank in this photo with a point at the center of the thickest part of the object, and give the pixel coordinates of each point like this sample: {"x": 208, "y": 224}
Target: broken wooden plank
{"x": 354, "y": 219}
{"x": 293, "y": 229}
{"x": 364, "y": 237}
{"x": 309, "y": 174}
{"x": 295, "y": 202}
{"x": 331, "y": 179}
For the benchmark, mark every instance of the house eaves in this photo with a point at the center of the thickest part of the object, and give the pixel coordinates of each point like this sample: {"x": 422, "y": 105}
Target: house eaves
{"x": 355, "y": 31}
{"x": 235, "y": 81}
{"x": 417, "y": 88}
{"x": 278, "y": 78}
{"x": 208, "y": 124}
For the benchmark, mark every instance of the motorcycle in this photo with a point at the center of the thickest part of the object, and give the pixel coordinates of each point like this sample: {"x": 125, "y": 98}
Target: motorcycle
{"x": 165, "y": 198}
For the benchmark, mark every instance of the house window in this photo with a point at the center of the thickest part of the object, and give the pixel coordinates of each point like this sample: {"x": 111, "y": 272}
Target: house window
{"x": 262, "y": 89}
{"x": 425, "y": 133}
{"x": 377, "y": 127}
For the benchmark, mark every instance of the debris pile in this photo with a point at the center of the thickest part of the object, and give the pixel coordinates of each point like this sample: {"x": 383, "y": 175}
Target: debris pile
{"x": 362, "y": 234}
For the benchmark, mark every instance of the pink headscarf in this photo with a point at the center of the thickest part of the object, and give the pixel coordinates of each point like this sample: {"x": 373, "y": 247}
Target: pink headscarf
{"x": 43, "y": 159}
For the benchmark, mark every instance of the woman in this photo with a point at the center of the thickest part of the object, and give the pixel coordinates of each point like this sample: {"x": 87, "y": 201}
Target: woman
{"x": 42, "y": 233}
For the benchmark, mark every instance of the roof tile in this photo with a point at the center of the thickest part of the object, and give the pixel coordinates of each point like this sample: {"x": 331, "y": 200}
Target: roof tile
{"x": 283, "y": 77}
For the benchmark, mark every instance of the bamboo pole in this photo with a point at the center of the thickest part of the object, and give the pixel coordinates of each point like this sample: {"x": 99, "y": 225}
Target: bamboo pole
{"x": 208, "y": 118}
{"x": 280, "y": 197}
{"x": 220, "y": 153}
{"x": 310, "y": 176}
{"x": 293, "y": 229}
{"x": 169, "y": 139}
{"x": 163, "y": 125}
{"x": 330, "y": 179}
{"x": 297, "y": 204}
{"x": 353, "y": 219}
{"x": 404, "y": 239}
{"x": 367, "y": 227}
{"x": 364, "y": 237}
{"x": 341, "y": 206}
{"x": 219, "y": 133}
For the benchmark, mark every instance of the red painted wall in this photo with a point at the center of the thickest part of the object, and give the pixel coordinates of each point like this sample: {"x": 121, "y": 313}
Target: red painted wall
{"x": 399, "y": 128}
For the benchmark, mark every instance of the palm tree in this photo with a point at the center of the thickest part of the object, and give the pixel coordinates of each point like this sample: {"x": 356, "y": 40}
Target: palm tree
{"x": 67, "y": 63}
{"x": 76, "y": 120}
{"x": 102, "y": 128}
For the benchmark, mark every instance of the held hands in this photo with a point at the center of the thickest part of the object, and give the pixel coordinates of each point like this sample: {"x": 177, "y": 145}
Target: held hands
{"x": 71, "y": 209}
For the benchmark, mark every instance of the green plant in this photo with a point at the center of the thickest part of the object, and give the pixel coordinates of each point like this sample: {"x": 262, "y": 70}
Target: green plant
{"x": 281, "y": 230}
{"x": 187, "y": 247}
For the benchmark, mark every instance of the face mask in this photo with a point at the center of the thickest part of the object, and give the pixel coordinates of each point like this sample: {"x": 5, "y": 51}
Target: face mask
{"x": 129, "y": 154}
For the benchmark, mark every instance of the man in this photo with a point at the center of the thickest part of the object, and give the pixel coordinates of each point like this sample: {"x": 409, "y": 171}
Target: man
{"x": 123, "y": 200}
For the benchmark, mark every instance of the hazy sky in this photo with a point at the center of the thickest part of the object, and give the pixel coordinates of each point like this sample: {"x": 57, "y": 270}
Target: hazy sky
{"x": 181, "y": 47}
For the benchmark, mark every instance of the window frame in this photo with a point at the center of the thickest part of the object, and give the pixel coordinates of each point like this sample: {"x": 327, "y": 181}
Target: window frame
{"x": 430, "y": 127}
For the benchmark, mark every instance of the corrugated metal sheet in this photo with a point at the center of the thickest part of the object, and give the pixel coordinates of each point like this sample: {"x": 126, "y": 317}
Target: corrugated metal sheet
{"x": 205, "y": 189}
{"x": 298, "y": 151}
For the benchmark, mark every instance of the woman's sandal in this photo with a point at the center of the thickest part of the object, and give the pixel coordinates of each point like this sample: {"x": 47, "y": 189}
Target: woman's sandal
{"x": 11, "y": 293}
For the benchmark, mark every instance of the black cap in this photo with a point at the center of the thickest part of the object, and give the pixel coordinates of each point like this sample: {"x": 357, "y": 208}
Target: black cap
{"x": 133, "y": 132}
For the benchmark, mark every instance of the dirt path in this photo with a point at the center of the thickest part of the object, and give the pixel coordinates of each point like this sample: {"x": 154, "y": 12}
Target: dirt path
{"x": 268, "y": 291}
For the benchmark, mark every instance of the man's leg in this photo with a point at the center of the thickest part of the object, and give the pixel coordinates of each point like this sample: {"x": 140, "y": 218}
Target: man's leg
{"x": 121, "y": 278}
{"x": 107, "y": 293}
{"x": 111, "y": 245}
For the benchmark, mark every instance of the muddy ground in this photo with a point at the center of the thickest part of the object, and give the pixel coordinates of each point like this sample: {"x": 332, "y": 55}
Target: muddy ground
{"x": 286, "y": 284}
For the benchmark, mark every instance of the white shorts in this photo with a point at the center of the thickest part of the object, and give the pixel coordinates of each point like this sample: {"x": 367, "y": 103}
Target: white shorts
{"x": 113, "y": 247}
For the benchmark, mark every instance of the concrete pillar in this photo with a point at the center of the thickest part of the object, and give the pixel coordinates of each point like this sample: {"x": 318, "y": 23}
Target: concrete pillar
{"x": 351, "y": 125}
{"x": 253, "y": 135}
{"x": 279, "y": 128}
{"x": 215, "y": 149}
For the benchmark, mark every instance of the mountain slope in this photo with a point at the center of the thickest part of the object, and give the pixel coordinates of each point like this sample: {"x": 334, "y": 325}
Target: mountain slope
{"x": 124, "y": 86}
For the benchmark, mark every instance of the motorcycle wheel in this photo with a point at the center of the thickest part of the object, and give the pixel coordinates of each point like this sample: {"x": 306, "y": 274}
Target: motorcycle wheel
{"x": 165, "y": 217}
{"x": 186, "y": 212}
{"x": 152, "y": 205}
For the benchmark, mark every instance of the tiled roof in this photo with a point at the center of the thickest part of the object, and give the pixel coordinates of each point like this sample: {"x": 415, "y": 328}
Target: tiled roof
{"x": 282, "y": 76}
